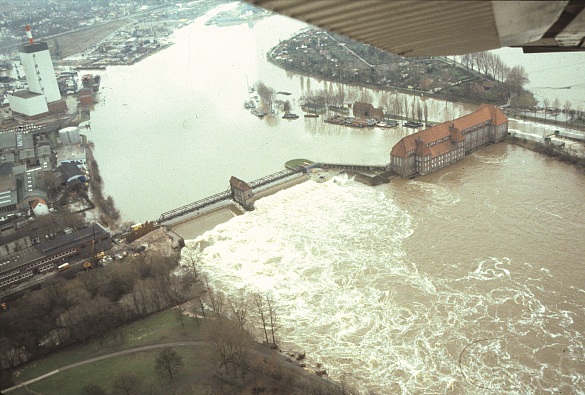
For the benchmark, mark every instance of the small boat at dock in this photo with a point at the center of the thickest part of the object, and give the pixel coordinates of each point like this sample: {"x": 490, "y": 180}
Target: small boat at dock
{"x": 290, "y": 115}
{"x": 387, "y": 123}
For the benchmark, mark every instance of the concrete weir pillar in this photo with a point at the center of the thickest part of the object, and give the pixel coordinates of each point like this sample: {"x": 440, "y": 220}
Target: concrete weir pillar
{"x": 242, "y": 193}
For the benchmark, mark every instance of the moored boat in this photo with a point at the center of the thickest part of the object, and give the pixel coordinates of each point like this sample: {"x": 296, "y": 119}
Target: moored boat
{"x": 387, "y": 123}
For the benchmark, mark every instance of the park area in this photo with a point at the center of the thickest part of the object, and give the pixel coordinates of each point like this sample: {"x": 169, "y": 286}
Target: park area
{"x": 157, "y": 331}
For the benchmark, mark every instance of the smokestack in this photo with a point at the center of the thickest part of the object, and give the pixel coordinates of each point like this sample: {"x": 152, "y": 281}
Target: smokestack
{"x": 28, "y": 34}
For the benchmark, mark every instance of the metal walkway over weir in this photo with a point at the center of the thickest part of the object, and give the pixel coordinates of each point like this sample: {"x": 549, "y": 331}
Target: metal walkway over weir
{"x": 223, "y": 196}
{"x": 352, "y": 167}
{"x": 267, "y": 180}
{"x": 189, "y": 208}
{"x": 274, "y": 177}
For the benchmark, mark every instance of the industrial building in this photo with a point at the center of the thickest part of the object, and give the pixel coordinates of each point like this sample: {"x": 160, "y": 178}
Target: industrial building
{"x": 25, "y": 153}
{"x": 439, "y": 146}
{"x": 42, "y": 97}
{"x": 23, "y": 258}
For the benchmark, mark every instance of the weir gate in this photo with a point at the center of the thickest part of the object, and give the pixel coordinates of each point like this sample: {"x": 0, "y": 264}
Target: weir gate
{"x": 243, "y": 194}
{"x": 236, "y": 192}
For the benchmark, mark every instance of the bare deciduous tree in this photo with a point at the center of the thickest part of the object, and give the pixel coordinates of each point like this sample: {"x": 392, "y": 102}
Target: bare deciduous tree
{"x": 239, "y": 306}
{"x": 272, "y": 317}
{"x": 567, "y": 108}
{"x": 261, "y": 310}
{"x": 126, "y": 384}
{"x": 168, "y": 361}
{"x": 396, "y": 105}
{"x": 93, "y": 389}
{"x": 545, "y": 103}
{"x": 232, "y": 344}
{"x": 556, "y": 104}
{"x": 366, "y": 96}
{"x": 215, "y": 300}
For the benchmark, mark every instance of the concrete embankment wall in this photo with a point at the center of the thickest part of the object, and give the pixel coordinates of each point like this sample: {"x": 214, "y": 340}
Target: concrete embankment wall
{"x": 196, "y": 224}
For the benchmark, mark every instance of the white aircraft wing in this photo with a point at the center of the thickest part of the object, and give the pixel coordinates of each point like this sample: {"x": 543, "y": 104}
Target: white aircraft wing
{"x": 434, "y": 28}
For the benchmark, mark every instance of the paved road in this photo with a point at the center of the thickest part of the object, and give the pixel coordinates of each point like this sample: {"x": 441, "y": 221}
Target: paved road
{"x": 115, "y": 354}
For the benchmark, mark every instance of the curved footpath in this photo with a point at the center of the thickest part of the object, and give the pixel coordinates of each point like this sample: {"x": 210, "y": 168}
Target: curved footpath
{"x": 114, "y": 354}
{"x": 316, "y": 379}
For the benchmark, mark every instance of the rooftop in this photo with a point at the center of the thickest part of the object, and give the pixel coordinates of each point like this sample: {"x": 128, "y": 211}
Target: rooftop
{"x": 484, "y": 113}
{"x": 34, "y": 47}
{"x": 61, "y": 242}
{"x": 26, "y": 94}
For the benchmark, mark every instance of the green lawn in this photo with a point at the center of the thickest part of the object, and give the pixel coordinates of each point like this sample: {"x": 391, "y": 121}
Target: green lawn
{"x": 141, "y": 364}
{"x": 159, "y": 328}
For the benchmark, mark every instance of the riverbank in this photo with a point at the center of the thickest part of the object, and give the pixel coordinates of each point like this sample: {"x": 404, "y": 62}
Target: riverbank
{"x": 549, "y": 121}
{"x": 549, "y": 150}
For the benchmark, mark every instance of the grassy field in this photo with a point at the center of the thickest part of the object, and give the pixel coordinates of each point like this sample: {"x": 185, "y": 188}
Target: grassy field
{"x": 140, "y": 364}
{"x": 160, "y": 328}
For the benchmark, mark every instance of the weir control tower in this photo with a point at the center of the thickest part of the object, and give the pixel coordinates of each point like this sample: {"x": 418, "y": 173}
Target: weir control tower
{"x": 43, "y": 96}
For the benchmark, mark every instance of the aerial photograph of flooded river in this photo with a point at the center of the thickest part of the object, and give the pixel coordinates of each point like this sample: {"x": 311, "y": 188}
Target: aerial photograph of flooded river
{"x": 325, "y": 217}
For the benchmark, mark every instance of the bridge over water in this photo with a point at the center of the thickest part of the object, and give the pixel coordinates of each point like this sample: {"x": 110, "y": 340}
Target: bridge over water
{"x": 226, "y": 196}
{"x": 365, "y": 168}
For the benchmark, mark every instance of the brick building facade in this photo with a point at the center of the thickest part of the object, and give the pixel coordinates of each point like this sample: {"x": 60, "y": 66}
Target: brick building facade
{"x": 436, "y": 147}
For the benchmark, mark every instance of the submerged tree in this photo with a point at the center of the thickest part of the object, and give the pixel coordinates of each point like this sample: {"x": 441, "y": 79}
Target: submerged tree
{"x": 567, "y": 108}
{"x": 265, "y": 92}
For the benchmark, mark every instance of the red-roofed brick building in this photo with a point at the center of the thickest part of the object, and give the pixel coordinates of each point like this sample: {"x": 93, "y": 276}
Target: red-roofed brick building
{"x": 448, "y": 142}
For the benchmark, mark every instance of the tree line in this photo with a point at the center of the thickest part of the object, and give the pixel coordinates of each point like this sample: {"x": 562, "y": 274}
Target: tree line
{"x": 92, "y": 305}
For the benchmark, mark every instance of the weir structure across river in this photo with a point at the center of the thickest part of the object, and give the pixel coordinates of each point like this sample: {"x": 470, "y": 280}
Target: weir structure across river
{"x": 243, "y": 193}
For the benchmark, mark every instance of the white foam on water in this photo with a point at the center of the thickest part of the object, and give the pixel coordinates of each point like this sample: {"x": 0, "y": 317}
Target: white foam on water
{"x": 348, "y": 294}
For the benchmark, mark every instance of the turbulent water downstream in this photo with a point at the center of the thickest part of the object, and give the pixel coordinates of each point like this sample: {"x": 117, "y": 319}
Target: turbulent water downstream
{"x": 468, "y": 280}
